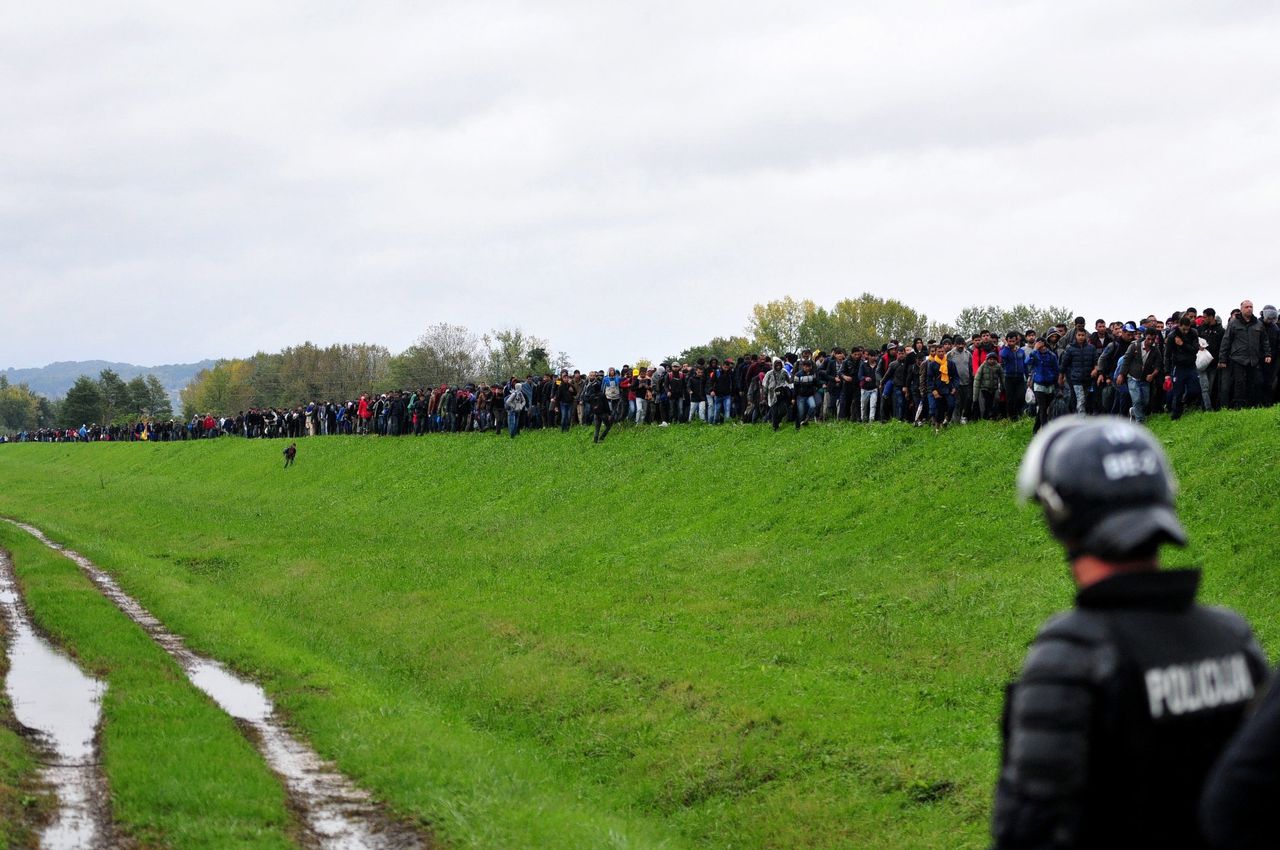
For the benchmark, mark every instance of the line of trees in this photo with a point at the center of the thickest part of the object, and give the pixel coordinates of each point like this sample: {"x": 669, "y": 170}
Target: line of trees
{"x": 444, "y": 353}
{"x": 787, "y": 324}
{"x": 22, "y": 409}
{"x": 106, "y": 399}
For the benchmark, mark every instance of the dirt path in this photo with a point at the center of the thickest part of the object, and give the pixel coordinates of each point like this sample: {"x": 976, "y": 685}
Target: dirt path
{"x": 336, "y": 814}
{"x": 61, "y": 705}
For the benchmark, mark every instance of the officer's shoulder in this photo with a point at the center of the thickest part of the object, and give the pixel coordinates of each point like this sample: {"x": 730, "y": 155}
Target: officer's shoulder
{"x": 1228, "y": 619}
{"x": 1074, "y": 645}
{"x": 1079, "y": 626}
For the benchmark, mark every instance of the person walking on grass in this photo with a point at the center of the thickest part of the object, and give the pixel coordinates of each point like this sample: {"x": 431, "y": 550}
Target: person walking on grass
{"x": 938, "y": 392}
{"x": 1013, "y": 360}
{"x": 777, "y": 388}
{"x": 988, "y": 380}
{"x": 1181, "y": 348}
{"x": 1125, "y": 702}
{"x": 1141, "y": 367}
{"x": 515, "y": 404}
{"x": 1245, "y": 350}
{"x": 1043, "y": 364}
{"x": 600, "y": 406}
{"x": 806, "y": 387}
{"x": 1079, "y": 370}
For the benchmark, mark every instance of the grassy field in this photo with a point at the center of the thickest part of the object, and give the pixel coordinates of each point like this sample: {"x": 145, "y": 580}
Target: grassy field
{"x": 687, "y": 637}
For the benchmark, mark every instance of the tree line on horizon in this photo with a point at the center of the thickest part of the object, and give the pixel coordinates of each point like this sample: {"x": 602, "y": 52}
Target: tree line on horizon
{"x": 105, "y": 399}
{"x": 454, "y": 354}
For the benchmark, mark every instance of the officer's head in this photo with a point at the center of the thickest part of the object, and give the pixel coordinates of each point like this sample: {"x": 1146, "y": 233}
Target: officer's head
{"x": 1105, "y": 485}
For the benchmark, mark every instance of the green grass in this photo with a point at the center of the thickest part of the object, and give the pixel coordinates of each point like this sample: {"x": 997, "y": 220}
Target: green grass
{"x": 179, "y": 771}
{"x": 687, "y": 637}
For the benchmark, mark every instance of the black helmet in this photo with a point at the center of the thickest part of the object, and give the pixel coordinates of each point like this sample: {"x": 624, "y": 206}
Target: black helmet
{"x": 1105, "y": 485}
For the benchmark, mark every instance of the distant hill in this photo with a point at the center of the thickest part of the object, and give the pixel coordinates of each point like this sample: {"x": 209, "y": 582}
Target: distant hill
{"x": 54, "y": 380}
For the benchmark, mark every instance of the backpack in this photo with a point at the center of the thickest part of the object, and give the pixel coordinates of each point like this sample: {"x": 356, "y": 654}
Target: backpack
{"x": 1057, "y": 407}
{"x": 515, "y": 400}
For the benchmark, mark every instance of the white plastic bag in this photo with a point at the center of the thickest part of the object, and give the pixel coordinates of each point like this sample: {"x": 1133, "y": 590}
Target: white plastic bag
{"x": 1030, "y": 396}
{"x": 1203, "y": 359}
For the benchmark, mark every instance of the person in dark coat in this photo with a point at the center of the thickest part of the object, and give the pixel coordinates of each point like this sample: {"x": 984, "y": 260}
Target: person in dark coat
{"x": 1079, "y": 368}
{"x": 1180, "y": 350}
{"x": 1246, "y": 348}
{"x": 601, "y": 410}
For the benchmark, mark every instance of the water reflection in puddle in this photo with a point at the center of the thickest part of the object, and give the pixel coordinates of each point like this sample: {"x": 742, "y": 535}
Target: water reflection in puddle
{"x": 51, "y": 695}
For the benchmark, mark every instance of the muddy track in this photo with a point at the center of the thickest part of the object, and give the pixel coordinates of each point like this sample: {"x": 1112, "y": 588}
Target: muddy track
{"x": 61, "y": 707}
{"x": 336, "y": 815}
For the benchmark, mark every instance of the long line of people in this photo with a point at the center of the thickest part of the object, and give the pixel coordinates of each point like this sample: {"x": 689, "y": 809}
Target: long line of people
{"x": 1192, "y": 360}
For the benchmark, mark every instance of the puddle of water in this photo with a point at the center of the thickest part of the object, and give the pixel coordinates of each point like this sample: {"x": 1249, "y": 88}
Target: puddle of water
{"x": 51, "y": 695}
{"x": 339, "y": 815}
{"x": 242, "y": 700}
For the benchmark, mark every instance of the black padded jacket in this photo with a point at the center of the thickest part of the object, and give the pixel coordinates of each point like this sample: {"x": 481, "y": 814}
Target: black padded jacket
{"x": 1122, "y": 707}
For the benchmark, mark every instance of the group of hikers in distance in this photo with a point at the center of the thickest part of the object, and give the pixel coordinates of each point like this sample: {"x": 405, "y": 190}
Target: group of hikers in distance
{"x": 1131, "y": 368}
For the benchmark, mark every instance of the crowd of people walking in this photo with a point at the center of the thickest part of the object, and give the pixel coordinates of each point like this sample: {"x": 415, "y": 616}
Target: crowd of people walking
{"x": 1192, "y": 360}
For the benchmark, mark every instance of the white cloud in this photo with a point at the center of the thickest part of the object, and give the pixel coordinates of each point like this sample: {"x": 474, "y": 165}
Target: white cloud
{"x": 625, "y": 180}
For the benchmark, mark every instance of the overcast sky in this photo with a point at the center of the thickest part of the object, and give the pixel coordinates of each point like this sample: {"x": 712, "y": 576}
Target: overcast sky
{"x": 181, "y": 181}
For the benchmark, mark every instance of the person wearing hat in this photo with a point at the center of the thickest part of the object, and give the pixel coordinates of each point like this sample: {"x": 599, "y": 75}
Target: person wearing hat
{"x": 1064, "y": 338}
{"x": 1123, "y": 703}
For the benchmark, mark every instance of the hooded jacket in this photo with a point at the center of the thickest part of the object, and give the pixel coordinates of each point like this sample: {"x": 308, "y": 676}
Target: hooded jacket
{"x": 776, "y": 381}
{"x": 1044, "y": 367}
{"x": 1181, "y": 349}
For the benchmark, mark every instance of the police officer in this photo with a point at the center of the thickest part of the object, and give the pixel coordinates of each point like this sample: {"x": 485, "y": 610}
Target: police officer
{"x": 1124, "y": 702}
{"x": 1236, "y": 810}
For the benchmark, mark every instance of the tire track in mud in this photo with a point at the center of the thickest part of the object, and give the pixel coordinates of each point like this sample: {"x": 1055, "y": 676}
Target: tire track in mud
{"x": 336, "y": 814}
{"x": 61, "y": 706}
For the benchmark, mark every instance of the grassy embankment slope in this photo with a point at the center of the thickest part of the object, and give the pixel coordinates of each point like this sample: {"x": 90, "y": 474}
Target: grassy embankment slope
{"x": 690, "y": 637}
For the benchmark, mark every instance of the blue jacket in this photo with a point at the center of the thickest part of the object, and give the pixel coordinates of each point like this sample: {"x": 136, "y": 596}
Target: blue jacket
{"x": 1044, "y": 367}
{"x": 1013, "y": 361}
